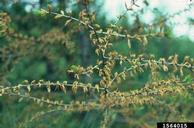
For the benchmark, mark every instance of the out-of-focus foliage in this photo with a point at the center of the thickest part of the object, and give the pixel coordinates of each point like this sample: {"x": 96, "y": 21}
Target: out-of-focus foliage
{"x": 74, "y": 69}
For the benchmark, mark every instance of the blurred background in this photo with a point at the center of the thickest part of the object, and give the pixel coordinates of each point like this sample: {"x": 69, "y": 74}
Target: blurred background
{"x": 45, "y": 48}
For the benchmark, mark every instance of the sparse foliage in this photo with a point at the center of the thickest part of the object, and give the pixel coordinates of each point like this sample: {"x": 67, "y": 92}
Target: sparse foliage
{"x": 167, "y": 76}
